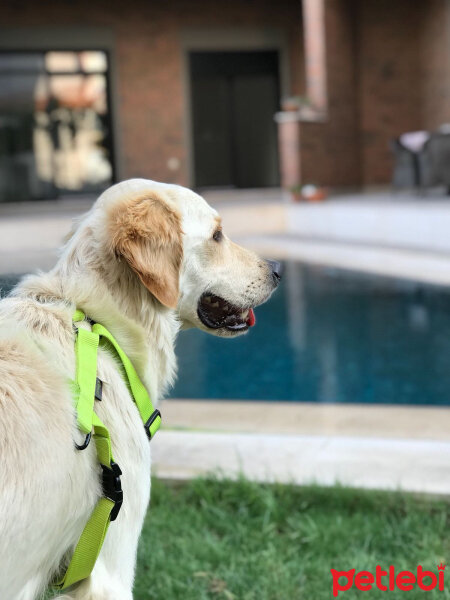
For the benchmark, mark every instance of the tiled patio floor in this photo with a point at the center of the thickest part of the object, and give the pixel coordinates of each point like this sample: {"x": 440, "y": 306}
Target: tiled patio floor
{"x": 401, "y": 235}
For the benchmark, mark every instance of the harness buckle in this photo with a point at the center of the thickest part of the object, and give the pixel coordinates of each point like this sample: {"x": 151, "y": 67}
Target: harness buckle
{"x": 112, "y": 487}
{"x": 155, "y": 414}
{"x": 98, "y": 389}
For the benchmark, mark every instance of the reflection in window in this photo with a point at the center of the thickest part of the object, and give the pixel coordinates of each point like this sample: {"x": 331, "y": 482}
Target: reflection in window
{"x": 55, "y": 131}
{"x": 72, "y": 62}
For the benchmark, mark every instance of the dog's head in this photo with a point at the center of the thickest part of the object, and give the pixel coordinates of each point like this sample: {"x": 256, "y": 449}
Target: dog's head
{"x": 174, "y": 242}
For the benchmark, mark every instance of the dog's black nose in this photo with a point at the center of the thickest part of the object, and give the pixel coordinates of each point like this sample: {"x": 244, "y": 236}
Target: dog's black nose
{"x": 276, "y": 269}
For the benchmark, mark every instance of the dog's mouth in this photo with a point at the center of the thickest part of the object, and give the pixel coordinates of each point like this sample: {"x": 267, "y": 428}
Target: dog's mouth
{"x": 216, "y": 313}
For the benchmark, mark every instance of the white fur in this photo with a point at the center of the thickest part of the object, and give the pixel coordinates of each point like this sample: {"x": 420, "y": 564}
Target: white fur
{"x": 47, "y": 488}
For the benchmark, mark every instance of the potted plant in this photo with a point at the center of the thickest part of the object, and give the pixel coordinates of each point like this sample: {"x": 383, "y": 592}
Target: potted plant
{"x": 294, "y": 103}
{"x": 308, "y": 193}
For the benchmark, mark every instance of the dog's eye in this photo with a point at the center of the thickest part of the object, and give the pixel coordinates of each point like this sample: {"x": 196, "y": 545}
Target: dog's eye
{"x": 217, "y": 235}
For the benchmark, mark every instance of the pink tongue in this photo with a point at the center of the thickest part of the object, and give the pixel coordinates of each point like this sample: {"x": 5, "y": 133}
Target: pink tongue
{"x": 251, "y": 318}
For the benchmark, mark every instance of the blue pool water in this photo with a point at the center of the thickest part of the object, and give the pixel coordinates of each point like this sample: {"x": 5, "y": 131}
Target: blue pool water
{"x": 328, "y": 335}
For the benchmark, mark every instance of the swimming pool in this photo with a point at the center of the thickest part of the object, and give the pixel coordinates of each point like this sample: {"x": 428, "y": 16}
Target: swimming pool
{"x": 329, "y": 335}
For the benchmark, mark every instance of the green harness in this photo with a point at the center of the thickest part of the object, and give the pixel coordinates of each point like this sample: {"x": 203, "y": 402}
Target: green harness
{"x": 87, "y": 389}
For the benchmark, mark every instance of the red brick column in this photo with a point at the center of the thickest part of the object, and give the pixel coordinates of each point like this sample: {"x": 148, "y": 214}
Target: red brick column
{"x": 326, "y": 137}
{"x": 315, "y": 53}
{"x": 290, "y": 123}
{"x": 289, "y": 148}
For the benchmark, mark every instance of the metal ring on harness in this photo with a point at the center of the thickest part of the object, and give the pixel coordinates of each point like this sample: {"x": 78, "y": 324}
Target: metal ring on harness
{"x": 85, "y": 444}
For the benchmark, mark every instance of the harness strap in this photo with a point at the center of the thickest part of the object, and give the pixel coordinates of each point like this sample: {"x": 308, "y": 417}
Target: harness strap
{"x": 86, "y": 346}
{"x": 107, "y": 508}
{"x": 137, "y": 389}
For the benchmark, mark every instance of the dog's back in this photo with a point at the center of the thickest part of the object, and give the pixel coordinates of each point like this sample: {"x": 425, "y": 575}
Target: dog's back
{"x": 36, "y": 446}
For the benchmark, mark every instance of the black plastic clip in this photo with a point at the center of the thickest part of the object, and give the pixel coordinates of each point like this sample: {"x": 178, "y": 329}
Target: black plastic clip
{"x": 112, "y": 487}
{"x": 155, "y": 414}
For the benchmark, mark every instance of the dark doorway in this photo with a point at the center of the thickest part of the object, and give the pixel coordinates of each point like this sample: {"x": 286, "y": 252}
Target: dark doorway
{"x": 234, "y": 98}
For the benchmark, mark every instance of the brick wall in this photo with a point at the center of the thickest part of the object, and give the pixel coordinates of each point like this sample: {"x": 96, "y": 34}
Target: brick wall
{"x": 388, "y": 71}
{"x": 149, "y": 62}
{"x": 373, "y": 71}
{"x": 435, "y": 63}
{"x": 329, "y": 149}
{"x": 389, "y": 79}
{"x": 403, "y": 73}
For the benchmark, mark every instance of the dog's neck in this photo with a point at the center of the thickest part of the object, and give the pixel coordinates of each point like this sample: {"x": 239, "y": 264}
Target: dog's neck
{"x": 110, "y": 293}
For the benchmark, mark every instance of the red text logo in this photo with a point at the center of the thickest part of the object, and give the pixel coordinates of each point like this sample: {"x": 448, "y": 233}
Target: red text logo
{"x": 388, "y": 580}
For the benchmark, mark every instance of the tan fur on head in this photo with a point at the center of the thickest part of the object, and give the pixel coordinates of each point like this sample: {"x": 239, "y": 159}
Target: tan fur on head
{"x": 146, "y": 231}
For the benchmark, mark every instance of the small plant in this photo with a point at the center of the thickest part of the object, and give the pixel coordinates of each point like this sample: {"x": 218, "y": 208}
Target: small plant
{"x": 295, "y": 103}
{"x": 308, "y": 192}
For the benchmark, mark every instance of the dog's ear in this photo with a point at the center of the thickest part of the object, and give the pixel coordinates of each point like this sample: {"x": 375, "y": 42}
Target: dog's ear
{"x": 146, "y": 231}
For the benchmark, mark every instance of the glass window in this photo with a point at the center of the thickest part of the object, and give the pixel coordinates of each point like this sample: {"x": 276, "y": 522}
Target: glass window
{"x": 55, "y": 124}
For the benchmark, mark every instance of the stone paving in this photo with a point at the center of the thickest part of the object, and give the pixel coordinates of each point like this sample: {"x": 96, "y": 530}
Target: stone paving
{"x": 373, "y": 446}
{"x": 409, "y": 465}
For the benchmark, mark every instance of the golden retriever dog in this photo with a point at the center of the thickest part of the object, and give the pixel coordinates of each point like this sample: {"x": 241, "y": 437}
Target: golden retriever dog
{"x": 145, "y": 261}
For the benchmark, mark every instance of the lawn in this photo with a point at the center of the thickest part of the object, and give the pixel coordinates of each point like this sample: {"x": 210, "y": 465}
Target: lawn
{"x": 223, "y": 540}
{"x": 215, "y": 539}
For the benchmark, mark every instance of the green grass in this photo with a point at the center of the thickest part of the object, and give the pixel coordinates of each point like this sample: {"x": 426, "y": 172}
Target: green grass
{"x": 214, "y": 539}
{"x": 223, "y": 540}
